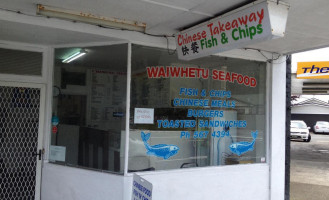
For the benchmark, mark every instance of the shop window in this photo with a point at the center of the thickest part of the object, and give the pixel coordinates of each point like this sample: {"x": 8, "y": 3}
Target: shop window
{"x": 89, "y": 108}
{"x": 205, "y": 112}
{"x": 20, "y": 62}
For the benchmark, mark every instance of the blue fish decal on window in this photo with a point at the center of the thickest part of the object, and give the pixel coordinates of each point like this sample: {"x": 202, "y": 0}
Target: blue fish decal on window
{"x": 240, "y": 148}
{"x": 164, "y": 151}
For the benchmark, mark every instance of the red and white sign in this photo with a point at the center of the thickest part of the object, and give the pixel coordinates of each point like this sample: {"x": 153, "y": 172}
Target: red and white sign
{"x": 256, "y": 22}
{"x": 54, "y": 129}
{"x": 199, "y": 73}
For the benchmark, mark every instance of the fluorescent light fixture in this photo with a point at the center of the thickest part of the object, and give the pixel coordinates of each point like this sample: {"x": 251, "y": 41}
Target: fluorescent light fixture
{"x": 90, "y": 18}
{"x": 74, "y": 56}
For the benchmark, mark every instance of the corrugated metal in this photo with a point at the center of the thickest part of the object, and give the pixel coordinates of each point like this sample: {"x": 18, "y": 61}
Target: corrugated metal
{"x": 310, "y": 109}
{"x": 20, "y": 62}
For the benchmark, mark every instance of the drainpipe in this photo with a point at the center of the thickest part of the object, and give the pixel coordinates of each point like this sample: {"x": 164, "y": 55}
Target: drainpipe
{"x": 288, "y": 118}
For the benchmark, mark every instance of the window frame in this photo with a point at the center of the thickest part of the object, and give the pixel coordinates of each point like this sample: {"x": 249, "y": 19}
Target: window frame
{"x": 267, "y": 114}
{"x": 49, "y": 99}
{"x": 28, "y": 78}
{"x": 48, "y": 76}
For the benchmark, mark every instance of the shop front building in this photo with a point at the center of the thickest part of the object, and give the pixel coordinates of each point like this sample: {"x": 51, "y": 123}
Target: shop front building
{"x": 83, "y": 128}
{"x": 191, "y": 128}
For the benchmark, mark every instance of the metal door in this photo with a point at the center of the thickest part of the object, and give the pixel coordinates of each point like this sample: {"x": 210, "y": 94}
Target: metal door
{"x": 21, "y": 124}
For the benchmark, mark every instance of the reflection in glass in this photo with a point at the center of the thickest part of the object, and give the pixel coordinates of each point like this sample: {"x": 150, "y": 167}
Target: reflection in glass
{"x": 20, "y": 62}
{"x": 223, "y": 126}
{"x": 89, "y": 102}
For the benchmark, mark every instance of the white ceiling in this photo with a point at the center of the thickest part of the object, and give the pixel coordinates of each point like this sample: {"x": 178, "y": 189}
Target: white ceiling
{"x": 34, "y": 34}
{"x": 169, "y": 14}
{"x": 307, "y": 26}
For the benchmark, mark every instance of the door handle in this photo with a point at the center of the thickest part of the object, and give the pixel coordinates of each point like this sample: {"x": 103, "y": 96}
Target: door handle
{"x": 40, "y": 152}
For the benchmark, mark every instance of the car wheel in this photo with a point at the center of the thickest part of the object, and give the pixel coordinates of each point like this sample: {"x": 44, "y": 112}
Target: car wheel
{"x": 308, "y": 139}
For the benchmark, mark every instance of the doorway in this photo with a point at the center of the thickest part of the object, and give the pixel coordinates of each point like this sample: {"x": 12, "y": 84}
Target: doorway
{"x": 20, "y": 140}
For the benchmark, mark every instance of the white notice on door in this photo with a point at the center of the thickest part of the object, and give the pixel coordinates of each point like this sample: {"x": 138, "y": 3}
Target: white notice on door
{"x": 144, "y": 116}
{"x": 57, "y": 153}
{"x": 142, "y": 189}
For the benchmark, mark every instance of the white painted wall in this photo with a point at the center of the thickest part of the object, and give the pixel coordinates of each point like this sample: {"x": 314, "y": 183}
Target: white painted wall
{"x": 68, "y": 183}
{"x": 225, "y": 183}
{"x": 310, "y": 109}
{"x": 277, "y": 129}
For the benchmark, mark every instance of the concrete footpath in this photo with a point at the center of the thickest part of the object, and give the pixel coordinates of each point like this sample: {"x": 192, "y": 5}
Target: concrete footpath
{"x": 310, "y": 169}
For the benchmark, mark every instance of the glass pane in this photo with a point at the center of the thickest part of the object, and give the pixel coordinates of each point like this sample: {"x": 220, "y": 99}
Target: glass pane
{"x": 205, "y": 112}
{"x": 20, "y": 62}
{"x": 89, "y": 102}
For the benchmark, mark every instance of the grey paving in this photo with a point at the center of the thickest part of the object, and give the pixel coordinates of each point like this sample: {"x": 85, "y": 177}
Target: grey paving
{"x": 310, "y": 169}
{"x": 301, "y": 191}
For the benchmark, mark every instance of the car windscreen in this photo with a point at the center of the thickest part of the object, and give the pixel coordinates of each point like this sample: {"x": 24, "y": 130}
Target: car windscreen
{"x": 323, "y": 123}
{"x": 297, "y": 125}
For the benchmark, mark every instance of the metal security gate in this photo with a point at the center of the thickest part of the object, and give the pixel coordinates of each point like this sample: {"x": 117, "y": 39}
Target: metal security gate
{"x": 20, "y": 140}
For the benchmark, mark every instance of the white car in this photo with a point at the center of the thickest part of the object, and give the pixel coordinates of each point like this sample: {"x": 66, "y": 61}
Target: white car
{"x": 299, "y": 130}
{"x": 321, "y": 127}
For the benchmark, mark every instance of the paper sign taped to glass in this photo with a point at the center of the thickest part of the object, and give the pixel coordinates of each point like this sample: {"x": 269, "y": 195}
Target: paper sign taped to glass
{"x": 57, "y": 153}
{"x": 144, "y": 116}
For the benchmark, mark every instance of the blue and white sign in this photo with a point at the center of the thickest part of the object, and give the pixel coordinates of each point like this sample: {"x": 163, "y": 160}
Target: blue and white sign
{"x": 54, "y": 121}
{"x": 240, "y": 148}
{"x": 118, "y": 114}
{"x": 142, "y": 189}
{"x": 164, "y": 151}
